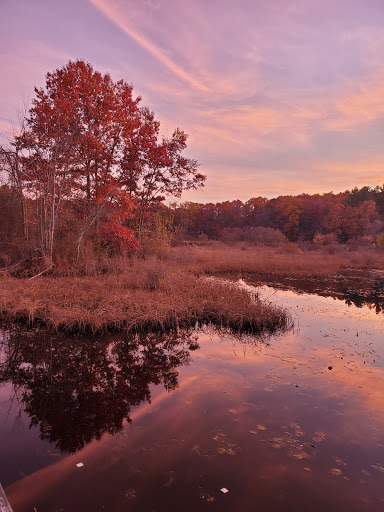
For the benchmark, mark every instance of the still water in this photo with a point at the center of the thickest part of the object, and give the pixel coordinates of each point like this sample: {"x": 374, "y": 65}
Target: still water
{"x": 290, "y": 422}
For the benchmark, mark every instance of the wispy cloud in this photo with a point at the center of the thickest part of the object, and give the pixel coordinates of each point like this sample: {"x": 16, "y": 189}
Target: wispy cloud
{"x": 26, "y": 68}
{"x": 113, "y": 14}
{"x": 289, "y": 97}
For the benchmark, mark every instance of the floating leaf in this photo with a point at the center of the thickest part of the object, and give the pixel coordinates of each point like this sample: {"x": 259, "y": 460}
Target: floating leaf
{"x": 319, "y": 437}
{"x": 231, "y": 450}
{"x": 339, "y": 461}
{"x": 130, "y": 493}
{"x": 300, "y": 455}
{"x": 378, "y": 466}
{"x": 335, "y": 471}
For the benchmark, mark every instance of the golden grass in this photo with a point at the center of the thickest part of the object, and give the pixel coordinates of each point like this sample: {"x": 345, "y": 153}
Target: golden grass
{"x": 154, "y": 295}
{"x": 278, "y": 262}
{"x": 148, "y": 295}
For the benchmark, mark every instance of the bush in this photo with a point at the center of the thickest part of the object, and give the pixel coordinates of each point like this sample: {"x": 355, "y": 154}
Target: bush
{"x": 155, "y": 274}
{"x": 329, "y": 239}
{"x": 158, "y": 236}
{"x": 253, "y": 235}
{"x": 232, "y": 235}
{"x": 363, "y": 241}
{"x": 265, "y": 236}
{"x": 380, "y": 241}
{"x": 289, "y": 248}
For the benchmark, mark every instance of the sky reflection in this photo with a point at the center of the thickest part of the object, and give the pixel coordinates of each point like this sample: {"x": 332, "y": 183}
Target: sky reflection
{"x": 267, "y": 420}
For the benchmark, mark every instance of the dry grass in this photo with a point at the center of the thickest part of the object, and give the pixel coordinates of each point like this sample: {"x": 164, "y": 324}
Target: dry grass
{"x": 278, "y": 262}
{"x": 153, "y": 295}
{"x": 148, "y": 295}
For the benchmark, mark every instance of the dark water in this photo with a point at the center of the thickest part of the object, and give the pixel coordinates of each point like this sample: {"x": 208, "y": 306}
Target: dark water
{"x": 359, "y": 288}
{"x": 165, "y": 423}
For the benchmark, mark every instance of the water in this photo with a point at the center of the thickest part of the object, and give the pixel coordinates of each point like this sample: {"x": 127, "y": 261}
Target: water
{"x": 165, "y": 423}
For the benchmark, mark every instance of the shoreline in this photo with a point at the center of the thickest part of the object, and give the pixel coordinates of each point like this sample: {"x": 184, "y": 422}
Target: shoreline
{"x": 163, "y": 295}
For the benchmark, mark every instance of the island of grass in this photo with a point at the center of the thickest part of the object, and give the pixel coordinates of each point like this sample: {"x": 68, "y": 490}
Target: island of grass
{"x": 145, "y": 296}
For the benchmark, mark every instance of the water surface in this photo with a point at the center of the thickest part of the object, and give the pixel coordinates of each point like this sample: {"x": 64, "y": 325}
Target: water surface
{"x": 294, "y": 421}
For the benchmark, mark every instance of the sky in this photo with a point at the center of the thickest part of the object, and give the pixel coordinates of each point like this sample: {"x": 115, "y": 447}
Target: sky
{"x": 278, "y": 97}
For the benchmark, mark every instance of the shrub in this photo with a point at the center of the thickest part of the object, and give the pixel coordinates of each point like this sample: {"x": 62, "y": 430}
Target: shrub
{"x": 363, "y": 241}
{"x": 253, "y": 235}
{"x": 328, "y": 239}
{"x": 265, "y": 236}
{"x": 380, "y": 241}
{"x": 289, "y": 248}
{"x": 155, "y": 274}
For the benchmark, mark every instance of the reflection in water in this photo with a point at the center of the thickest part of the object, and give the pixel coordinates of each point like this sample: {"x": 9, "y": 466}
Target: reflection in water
{"x": 78, "y": 389}
{"x": 358, "y": 288}
{"x": 270, "y": 422}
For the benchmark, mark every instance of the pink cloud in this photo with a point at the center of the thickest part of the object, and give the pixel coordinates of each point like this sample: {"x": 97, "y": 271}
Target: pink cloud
{"x": 112, "y": 12}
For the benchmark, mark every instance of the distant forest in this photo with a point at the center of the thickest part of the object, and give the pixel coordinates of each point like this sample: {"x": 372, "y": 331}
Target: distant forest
{"x": 356, "y": 215}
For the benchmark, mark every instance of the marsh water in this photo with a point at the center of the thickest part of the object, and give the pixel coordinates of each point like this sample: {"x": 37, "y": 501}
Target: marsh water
{"x": 203, "y": 420}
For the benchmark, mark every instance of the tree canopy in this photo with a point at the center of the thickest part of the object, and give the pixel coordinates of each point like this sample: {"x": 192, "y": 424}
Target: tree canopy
{"x": 88, "y": 145}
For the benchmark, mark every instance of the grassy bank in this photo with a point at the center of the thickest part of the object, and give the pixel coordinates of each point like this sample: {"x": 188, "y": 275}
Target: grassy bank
{"x": 139, "y": 295}
{"x": 284, "y": 261}
{"x": 147, "y": 295}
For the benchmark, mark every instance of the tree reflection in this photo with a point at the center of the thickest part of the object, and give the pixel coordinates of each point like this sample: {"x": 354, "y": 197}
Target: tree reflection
{"x": 78, "y": 389}
{"x": 358, "y": 290}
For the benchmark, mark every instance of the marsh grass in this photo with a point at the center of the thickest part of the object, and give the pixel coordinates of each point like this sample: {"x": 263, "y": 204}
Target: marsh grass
{"x": 147, "y": 296}
{"x": 158, "y": 295}
{"x": 278, "y": 262}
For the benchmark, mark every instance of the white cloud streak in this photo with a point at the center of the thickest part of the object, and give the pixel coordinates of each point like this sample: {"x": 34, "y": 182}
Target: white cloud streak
{"x": 117, "y": 18}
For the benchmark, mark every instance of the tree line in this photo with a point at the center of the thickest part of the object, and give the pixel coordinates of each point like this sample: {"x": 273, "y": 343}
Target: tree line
{"x": 321, "y": 218}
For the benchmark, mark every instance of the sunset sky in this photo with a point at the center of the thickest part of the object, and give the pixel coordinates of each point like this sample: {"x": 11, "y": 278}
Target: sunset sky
{"x": 278, "y": 97}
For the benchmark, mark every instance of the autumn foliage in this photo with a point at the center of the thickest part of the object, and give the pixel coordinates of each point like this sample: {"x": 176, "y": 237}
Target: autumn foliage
{"x": 87, "y": 174}
{"x": 321, "y": 218}
{"x": 88, "y": 159}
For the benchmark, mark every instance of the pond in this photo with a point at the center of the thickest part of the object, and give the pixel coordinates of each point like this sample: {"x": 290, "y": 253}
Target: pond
{"x": 200, "y": 420}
